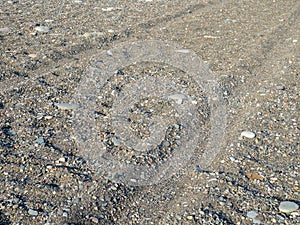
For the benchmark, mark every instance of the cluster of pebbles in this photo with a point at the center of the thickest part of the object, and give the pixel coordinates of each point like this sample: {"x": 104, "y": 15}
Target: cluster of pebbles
{"x": 140, "y": 114}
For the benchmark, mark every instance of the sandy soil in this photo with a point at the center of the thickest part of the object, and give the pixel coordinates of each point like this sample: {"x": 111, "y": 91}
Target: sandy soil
{"x": 252, "y": 47}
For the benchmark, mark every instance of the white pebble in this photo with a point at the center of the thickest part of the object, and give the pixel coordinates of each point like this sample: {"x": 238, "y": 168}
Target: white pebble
{"x": 232, "y": 159}
{"x": 116, "y": 141}
{"x": 94, "y": 220}
{"x": 49, "y": 21}
{"x": 33, "y": 212}
{"x": 42, "y": 29}
{"x": 48, "y": 117}
{"x": 110, "y": 9}
{"x": 66, "y": 106}
{"x": 185, "y": 51}
{"x": 178, "y": 98}
{"x": 288, "y": 207}
{"x": 248, "y": 134}
{"x": 62, "y": 160}
{"x": 4, "y": 29}
{"x": 252, "y": 215}
{"x": 109, "y": 52}
{"x": 32, "y": 55}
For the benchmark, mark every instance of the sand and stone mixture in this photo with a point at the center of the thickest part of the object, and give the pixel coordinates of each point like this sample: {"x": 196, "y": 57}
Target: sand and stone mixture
{"x": 253, "y": 49}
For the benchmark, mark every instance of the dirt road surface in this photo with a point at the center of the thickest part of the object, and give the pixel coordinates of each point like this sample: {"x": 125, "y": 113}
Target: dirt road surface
{"x": 253, "y": 49}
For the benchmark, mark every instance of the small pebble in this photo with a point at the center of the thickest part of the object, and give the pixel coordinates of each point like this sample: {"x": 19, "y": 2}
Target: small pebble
{"x": 49, "y": 21}
{"x": 62, "y": 160}
{"x": 16, "y": 200}
{"x": 248, "y": 134}
{"x": 109, "y": 52}
{"x": 232, "y": 159}
{"x": 279, "y": 87}
{"x": 40, "y": 141}
{"x": 33, "y": 212}
{"x": 94, "y": 220}
{"x": 92, "y": 34}
{"x": 66, "y": 106}
{"x": 253, "y": 215}
{"x": 32, "y": 55}
{"x": 4, "y": 29}
{"x": 185, "y": 51}
{"x": 190, "y": 218}
{"x": 110, "y": 9}
{"x": 178, "y": 98}
{"x": 116, "y": 141}
{"x": 288, "y": 207}
{"x": 48, "y": 117}
{"x": 42, "y": 29}
{"x": 166, "y": 143}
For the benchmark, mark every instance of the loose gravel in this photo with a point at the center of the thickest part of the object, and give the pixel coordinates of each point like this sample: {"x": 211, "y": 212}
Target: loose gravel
{"x": 253, "y": 49}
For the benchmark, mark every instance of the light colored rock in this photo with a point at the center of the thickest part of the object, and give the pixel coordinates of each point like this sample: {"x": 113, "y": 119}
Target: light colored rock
{"x": 110, "y": 9}
{"x": 288, "y": 207}
{"x": 92, "y": 34}
{"x": 190, "y": 218}
{"x": 48, "y": 117}
{"x": 42, "y": 29}
{"x": 4, "y": 29}
{"x": 94, "y": 220}
{"x": 62, "y": 160}
{"x": 232, "y": 159}
{"x": 49, "y": 20}
{"x": 109, "y": 52}
{"x": 116, "y": 141}
{"x": 185, "y": 51}
{"x": 66, "y": 106}
{"x": 252, "y": 215}
{"x": 33, "y": 212}
{"x": 32, "y": 55}
{"x": 40, "y": 140}
{"x": 178, "y": 98}
{"x": 248, "y": 134}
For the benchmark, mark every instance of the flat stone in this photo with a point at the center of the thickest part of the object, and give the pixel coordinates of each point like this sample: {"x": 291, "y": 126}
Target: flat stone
{"x": 48, "y": 117}
{"x": 33, "y": 212}
{"x": 66, "y": 106}
{"x": 62, "y": 159}
{"x": 116, "y": 141}
{"x": 248, "y": 134}
{"x": 32, "y": 55}
{"x": 253, "y": 215}
{"x": 288, "y": 207}
{"x": 4, "y": 29}
{"x": 40, "y": 140}
{"x": 110, "y": 9}
{"x": 42, "y": 29}
{"x": 178, "y": 98}
{"x": 185, "y": 51}
{"x": 94, "y": 220}
{"x": 92, "y": 34}
{"x": 190, "y": 218}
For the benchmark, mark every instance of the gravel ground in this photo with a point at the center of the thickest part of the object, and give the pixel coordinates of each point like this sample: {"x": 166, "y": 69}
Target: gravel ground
{"x": 251, "y": 46}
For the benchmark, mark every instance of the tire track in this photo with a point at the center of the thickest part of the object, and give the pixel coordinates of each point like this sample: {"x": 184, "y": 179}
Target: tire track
{"x": 86, "y": 56}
